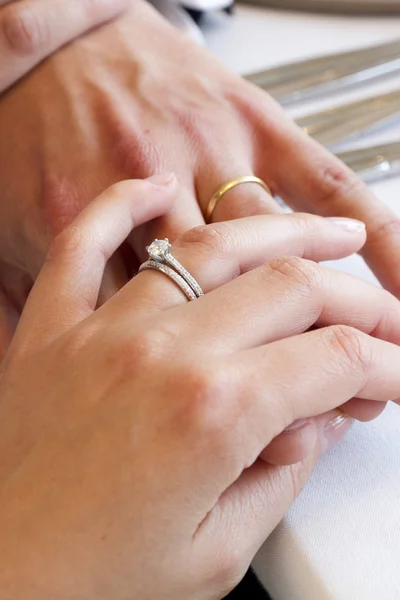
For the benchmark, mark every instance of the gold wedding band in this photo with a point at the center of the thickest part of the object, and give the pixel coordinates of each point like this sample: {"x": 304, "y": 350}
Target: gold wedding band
{"x": 228, "y": 186}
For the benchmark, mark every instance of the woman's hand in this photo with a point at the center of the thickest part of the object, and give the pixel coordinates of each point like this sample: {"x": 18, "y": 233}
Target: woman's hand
{"x": 130, "y": 436}
{"x": 138, "y": 97}
{"x": 31, "y": 30}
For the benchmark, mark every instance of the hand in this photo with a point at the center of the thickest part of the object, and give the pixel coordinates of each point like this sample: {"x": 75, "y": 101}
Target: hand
{"x": 138, "y": 97}
{"x": 152, "y": 486}
{"x": 31, "y": 30}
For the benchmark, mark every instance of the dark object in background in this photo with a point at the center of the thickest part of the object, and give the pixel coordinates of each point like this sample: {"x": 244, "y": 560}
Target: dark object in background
{"x": 249, "y": 589}
{"x": 197, "y": 15}
{"x": 356, "y": 7}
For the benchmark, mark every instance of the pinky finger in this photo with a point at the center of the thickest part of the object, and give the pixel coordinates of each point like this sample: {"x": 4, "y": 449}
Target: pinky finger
{"x": 299, "y": 441}
{"x": 67, "y": 288}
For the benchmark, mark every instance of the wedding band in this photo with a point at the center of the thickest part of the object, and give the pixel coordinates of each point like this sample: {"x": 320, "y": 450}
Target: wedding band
{"x": 228, "y": 186}
{"x": 177, "y": 279}
{"x": 161, "y": 259}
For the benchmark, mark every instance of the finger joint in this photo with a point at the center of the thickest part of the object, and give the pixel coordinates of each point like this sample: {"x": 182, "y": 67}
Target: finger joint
{"x": 24, "y": 31}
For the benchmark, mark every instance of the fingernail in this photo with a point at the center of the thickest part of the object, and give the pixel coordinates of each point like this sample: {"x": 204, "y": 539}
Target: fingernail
{"x": 335, "y": 429}
{"x": 350, "y": 225}
{"x": 162, "y": 179}
{"x": 298, "y": 424}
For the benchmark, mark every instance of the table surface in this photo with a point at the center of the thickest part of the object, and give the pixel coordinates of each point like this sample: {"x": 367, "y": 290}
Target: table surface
{"x": 341, "y": 539}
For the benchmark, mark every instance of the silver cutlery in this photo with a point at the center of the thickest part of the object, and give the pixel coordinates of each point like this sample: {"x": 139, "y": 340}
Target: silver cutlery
{"x": 327, "y": 74}
{"x": 350, "y": 121}
{"x": 375, "y": 163}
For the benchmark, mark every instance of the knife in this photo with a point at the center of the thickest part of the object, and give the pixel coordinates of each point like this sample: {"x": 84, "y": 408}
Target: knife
{"x": 327, "y": 74}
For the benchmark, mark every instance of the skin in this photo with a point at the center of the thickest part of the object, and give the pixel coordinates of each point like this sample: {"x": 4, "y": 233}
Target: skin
{"x": 31, "y": 30}
{"x": 137, "y": 97}
{"x": 45, "y": 335}
{"x": 94, "y": 524}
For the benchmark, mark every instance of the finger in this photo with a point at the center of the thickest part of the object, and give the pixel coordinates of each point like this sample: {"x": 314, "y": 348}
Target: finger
{"x": 320, "y": 183}
{"x": 345, "y": 364}
{"x": 268, "y": 388}
{"x": 253, "y": 505}
{"x": 363, "y": 410}
{"x": 220, "y": 252}
{"x": 297, "y": 442}
{"x": 33, "y": 29}
{"x": 184, "y": 215}
{"x": 68, "y": 286}
{"x": 243, "y": 200}
{"x": 247, "y": 513}
{"x": 286, "y": 297}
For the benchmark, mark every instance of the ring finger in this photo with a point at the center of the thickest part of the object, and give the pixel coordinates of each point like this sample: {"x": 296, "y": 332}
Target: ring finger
{"x": 242, "y": 200}
{"x": 218, "y": 253}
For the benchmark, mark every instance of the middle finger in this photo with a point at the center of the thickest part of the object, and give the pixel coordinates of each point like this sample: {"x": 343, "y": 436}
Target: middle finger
{"x": 286, "y": 297}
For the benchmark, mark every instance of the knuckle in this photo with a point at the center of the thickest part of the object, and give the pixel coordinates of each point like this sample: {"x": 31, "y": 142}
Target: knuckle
{"x": 304, "y": 223}
{"x": 211, "y": 411}
{"x": 215, "y": 239}
{"x": 303, "y": 275}
{"x": 136, "y": 151}
{"x": 24, "y": 31}
{"x": 390, "y": 229}
{"x": 337, "y": 181}
{"x": 146, "y": 349}
{"x": 387, "y": 327}
{"x": 350, "y": 345}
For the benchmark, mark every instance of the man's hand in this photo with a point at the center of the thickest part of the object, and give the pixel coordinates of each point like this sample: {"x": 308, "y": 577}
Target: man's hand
{"x": 31, "y": 30}
{"x": 135, "y": 98}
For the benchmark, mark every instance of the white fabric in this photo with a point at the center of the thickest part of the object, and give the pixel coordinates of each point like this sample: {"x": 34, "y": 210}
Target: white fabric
{"x": 341, "y": 540}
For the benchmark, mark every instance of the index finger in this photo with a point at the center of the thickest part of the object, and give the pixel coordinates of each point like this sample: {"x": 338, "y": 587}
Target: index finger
{"x": 320, "y": 183}
{"x": 31, "y": 30}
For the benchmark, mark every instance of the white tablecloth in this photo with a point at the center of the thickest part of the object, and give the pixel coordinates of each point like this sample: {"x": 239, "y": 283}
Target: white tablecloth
{"x": 341, "y": 539}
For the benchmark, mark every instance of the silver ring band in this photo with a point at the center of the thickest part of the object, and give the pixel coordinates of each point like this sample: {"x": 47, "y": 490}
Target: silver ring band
{"x": 176, "y": 265}
{"x": 176, "y": 278}
{"x": 160, "y": 253}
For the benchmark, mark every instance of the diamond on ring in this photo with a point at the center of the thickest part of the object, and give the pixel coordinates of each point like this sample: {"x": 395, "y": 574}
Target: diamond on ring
{"x": 161, "y": 259}
{"x": 159, "y": 249}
